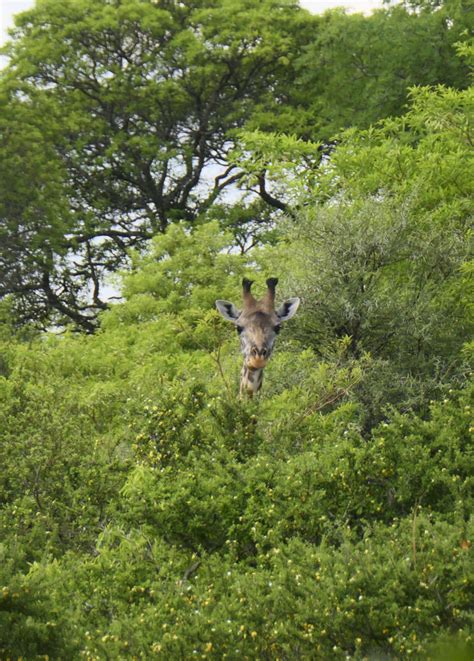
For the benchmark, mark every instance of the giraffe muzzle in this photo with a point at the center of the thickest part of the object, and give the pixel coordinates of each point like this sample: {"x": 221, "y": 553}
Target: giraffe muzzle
{"x": 257, "y": 362}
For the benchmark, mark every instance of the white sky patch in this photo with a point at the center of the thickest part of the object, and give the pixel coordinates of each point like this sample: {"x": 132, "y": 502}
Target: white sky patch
{"x": 8, "y": 8}
{"x": 362, "y": 6}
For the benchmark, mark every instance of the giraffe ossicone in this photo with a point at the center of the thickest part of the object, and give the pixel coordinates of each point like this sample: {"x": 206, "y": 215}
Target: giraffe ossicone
{"x": 257, "y": 323}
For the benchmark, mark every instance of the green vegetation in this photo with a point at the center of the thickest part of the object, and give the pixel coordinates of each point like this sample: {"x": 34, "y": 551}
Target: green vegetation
{"x": 147, "y": 512}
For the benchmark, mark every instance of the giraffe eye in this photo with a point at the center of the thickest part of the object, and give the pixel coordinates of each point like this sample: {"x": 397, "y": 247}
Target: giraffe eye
{"x": 240, "y": 329}
{"x": 277, "y": 329}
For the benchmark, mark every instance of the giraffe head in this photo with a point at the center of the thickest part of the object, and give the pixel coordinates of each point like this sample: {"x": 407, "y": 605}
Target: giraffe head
{"x": 258, "y": 322}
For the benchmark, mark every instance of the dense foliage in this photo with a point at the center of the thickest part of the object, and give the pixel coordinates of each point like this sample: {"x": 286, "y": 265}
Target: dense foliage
{"x": 146, "y": 511}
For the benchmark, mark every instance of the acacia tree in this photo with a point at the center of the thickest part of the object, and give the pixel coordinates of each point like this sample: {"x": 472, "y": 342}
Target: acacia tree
{"x": 127, "y": 110}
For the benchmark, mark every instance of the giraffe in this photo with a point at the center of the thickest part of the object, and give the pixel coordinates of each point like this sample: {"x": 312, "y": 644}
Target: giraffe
{"x": 258, "y": 323}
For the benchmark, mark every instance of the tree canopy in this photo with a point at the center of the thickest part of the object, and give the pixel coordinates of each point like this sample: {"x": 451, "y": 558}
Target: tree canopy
{"x": 142, "y": 100}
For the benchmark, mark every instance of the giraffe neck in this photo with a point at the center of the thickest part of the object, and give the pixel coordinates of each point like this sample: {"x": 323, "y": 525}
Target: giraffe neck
{"x": 250, "y": 380}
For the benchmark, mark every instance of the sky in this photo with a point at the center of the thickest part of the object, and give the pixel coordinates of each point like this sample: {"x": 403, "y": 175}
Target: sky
{"x": 8, "y": 8}
{"x": 318, "y": 6}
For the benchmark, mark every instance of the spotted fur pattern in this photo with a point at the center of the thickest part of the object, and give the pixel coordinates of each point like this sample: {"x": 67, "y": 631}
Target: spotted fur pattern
{"x": 250, "y": 380}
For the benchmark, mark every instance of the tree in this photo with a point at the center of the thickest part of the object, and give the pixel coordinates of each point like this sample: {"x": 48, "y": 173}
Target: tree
{"x": 142, "y": 100}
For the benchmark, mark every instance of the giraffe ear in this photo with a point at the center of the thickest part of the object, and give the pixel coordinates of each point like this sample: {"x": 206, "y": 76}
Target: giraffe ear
{"x": 228, "y": 310}
{"x": 288, "y": 309}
